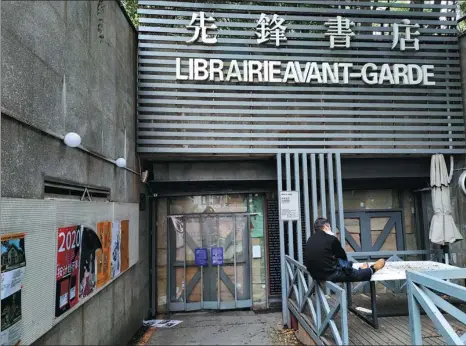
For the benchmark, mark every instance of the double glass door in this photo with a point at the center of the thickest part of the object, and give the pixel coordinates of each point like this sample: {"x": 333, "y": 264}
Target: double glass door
{"x": 209, "y": 262}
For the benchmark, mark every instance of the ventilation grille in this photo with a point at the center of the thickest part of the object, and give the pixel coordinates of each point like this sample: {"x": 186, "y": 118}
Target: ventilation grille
{"x": 55, "y": 189}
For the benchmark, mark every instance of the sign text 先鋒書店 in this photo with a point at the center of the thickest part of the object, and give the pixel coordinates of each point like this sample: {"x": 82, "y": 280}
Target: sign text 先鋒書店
{"x": 272, "y": 30}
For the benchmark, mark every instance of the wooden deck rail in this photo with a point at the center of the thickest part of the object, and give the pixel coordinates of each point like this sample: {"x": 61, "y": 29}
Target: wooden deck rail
{"x": 423, "y": 290}
{"x": 307, "y": 300}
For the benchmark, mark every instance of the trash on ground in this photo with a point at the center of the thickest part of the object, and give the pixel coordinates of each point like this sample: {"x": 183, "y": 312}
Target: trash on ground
{"x": 161, "y": 323}
{"x": 364, "y": 310}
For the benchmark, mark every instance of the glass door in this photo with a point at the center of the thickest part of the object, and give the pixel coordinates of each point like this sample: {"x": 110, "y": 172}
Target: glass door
{"x": 209, "y": 262}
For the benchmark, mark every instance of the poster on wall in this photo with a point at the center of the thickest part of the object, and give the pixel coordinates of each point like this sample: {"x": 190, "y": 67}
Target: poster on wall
{"x": 124, "y": 245}
{"x": 68, "y": 264}
{"x": 289, "y": 206}
{"x": 104, "y": 231}
{"x": 90, "y": 247}
{"x": 116, "y": 249}
{"x": 12, "y": 271}
{"x": 256, "y": 225}
{"x": 120, "y": 247}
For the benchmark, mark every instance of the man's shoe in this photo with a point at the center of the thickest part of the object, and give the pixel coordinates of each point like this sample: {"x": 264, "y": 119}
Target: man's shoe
{"x": 379, "y": 264}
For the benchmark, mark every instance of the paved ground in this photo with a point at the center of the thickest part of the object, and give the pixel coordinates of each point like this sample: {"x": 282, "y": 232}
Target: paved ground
{"x": 224, "y": 328}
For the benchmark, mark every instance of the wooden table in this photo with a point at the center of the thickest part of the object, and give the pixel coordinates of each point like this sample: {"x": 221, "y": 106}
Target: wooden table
{"x": 392, "y": 271}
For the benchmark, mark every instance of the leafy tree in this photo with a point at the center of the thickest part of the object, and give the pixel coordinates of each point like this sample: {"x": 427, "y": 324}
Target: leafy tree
{"x": 462, "y": 6}
{"x": 131, "y": 7}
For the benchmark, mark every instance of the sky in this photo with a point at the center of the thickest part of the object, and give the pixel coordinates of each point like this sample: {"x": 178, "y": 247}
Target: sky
{"x": 11, "y": 241}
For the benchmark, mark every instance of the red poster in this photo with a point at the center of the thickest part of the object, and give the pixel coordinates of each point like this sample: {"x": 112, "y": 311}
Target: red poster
{"x": 67, "y": 275}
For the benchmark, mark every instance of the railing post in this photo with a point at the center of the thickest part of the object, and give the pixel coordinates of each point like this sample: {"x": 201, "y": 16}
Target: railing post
{"x": 282, "y": 248}
{"x": 318, "y": 307}
{"x": 414, "y": 314}
{"x": 344, "y": 318}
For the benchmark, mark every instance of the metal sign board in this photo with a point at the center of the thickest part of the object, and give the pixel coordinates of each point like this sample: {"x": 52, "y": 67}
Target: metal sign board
{"x": 217, "y": 256}
{"x": 289, "y": 206}
{"x": 200, "y": 255}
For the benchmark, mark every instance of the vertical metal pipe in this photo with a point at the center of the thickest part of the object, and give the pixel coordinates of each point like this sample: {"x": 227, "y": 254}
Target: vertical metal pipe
{"x": 299, "y": 230}
{"x": 290, "y": 223}
{"x": 314, "y": 187}
{"x": 218, "y": 267}
{"x": 341, "y": 211}
{"x": 153, "y": 217}
{"x": 323, "y": 198}
{"x": 202, "y": 268}
{"x": 282, "y": 245}
{"x": 184, "y": 265}
{"x": 307, "y": 217}
{"x": 331, "y": 192}
{"x": 234, "y": 261}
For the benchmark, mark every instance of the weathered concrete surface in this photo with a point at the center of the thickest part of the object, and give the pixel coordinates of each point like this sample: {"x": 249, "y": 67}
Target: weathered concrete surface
{"x": 223, "y": 328}
{"x": 67, "y": 66}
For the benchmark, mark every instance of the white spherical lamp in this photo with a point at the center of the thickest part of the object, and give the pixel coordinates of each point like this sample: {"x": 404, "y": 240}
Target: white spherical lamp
{"x": 121, "y": 162}
{"x": 462, "y": 183}
{"x": 72, "y": 139}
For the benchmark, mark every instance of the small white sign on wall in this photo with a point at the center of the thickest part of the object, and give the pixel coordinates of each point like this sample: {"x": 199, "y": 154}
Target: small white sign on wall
{"x": 289, "y": 206}
{"x": 256, "y": 251}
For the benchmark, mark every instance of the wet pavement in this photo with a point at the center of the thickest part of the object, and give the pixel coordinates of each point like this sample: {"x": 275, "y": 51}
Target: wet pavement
{"x": 224, "y": 328}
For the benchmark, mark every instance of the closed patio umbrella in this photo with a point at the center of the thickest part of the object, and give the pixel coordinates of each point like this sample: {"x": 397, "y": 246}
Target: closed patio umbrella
{"x": 443, "y": 230}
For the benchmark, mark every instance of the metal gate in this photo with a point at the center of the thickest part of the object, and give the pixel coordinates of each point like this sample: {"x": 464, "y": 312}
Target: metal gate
{"x": 317, "y": 179}
{"x": 197, "y": 283}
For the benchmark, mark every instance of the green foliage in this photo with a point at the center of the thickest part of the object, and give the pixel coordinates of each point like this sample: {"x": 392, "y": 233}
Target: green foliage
{"x": 462, "y": 6}
{"x": 131, "y": 7}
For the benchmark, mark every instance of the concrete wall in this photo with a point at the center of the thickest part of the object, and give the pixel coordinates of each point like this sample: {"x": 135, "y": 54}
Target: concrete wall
{"x": 58, "y": 75}
{"x": 70, "y": 66}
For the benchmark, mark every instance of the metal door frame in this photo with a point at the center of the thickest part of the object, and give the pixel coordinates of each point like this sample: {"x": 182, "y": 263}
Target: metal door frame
{"x": 208, "y": 305}
{"x": 395, "y": 219}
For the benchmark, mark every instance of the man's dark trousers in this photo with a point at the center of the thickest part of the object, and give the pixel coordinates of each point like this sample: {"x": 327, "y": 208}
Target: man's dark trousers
{"x": 346, "y": 273}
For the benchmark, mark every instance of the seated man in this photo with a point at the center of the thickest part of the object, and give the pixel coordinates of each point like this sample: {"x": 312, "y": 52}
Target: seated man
{"x": 326, "y": 260}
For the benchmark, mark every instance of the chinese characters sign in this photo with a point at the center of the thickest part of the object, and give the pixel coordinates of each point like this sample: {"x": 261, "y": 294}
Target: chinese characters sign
{"x": 68, "y": 264}
{"x": 200, "y": 24}
{"x": 339, "y": 31}
{"x": 405, "y": 39}
{"x": 272, "y": 29}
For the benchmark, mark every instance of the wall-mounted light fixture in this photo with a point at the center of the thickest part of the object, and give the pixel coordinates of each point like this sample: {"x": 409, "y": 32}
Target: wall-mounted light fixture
{"x": 72, "y": 139}
{"x": 121, "y": 162}
{"x": 462, "y": 182}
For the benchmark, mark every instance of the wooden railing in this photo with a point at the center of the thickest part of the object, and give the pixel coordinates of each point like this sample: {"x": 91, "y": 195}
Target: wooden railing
{"x": 318, "y": 306}
{"x": 425, "y": 290}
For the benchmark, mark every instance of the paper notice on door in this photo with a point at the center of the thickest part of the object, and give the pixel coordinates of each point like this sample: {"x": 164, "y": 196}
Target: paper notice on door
{"x": 256, "y": 251}
{"x": 289, "y": 206}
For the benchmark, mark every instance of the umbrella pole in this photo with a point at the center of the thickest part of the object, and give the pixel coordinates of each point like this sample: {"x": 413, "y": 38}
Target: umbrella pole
{"x": 446, "y": 252}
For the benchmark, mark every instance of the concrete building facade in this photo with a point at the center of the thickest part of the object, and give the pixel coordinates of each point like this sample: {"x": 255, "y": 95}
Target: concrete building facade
{"x": 236, "y": 104}
{"x": 70, "y": 66}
